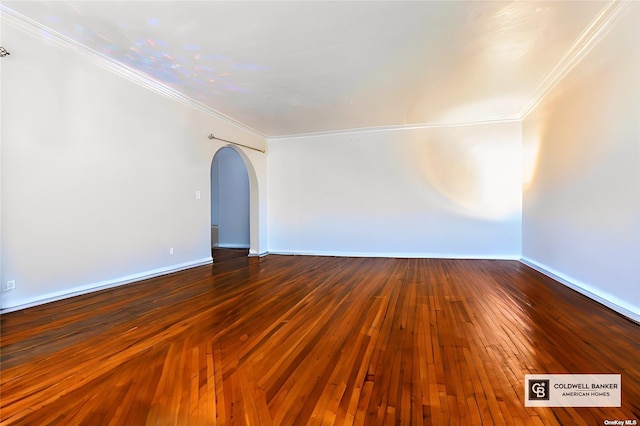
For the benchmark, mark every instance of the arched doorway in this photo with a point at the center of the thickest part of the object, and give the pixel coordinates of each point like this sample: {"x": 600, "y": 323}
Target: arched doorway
{"x": 230, "y": 204}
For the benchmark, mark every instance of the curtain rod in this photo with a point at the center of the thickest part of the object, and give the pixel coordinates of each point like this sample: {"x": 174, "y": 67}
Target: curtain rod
{"x": 211, "y": 137}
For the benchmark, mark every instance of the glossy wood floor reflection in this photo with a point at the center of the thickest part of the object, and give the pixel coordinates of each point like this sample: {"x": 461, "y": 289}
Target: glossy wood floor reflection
{"x": 288, "y": 340}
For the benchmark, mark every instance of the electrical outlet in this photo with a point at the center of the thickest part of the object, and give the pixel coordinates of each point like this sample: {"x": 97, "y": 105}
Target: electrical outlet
{"x": 171, "y": 250}
{"x": 197, "y": 195}
{"x": 11, "y": 285}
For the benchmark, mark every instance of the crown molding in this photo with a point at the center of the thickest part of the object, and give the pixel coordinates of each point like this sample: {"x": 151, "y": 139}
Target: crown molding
{"x": 586, "y": 41}
{"x": 391, "y": 128}
{"x": 31, "y": 27}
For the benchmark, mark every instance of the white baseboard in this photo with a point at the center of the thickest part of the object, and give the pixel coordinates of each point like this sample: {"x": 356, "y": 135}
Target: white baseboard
{"x": 397, "y": 255}
{"x": 594, "y": 294}
{"x": 230, "y": 245}
{"x": 102, "y": 285}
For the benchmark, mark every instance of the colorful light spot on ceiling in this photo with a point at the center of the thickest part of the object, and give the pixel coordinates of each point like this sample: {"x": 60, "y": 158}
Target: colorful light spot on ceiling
{"x": 177, "y": 64}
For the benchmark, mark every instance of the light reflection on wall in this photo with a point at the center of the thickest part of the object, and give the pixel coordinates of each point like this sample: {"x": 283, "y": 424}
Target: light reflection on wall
{"x": 179, "y": 65}
{"x": 481, "y": 173}
{"x": 531, "y": 137}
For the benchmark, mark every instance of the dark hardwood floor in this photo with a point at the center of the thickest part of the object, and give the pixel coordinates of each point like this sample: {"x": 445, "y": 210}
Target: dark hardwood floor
{"x": 292, "y": 340}
{"x": 220, "y": 255}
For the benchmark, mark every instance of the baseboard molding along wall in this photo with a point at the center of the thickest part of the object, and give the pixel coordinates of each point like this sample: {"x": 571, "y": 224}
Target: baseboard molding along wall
{"x": 230, "y": 245}
{"x": 263, "y": 254}
{"x": 103, "y": 285}
{"x": 581, "y": 288}
{"x": 397, "y": 255}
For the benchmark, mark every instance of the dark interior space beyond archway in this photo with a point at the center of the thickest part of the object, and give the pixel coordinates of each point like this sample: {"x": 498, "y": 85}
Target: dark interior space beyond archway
{"x": 230, "y": 205}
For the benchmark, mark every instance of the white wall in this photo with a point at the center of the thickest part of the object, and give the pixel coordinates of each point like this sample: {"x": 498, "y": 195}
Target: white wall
{"x": 215, "y": 191}
{"x": 581, "y": 215}
{"x": 230, "y": 199}
{"x": 99, "y": 176}
{"x": 443, "y": 192}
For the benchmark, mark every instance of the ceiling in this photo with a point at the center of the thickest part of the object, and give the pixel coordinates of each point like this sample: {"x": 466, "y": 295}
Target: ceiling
{"x": 297, "y": 67}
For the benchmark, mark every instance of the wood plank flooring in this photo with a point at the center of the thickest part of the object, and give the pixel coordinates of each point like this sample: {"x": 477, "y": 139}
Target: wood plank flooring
{"x": 225, "y": 254}
{"x": 290, "y": 340}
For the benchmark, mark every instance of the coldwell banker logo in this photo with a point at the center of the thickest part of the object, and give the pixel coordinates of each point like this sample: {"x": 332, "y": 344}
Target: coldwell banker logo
{"x": 538, "y": 390}
{"x": 573, "y": 390}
